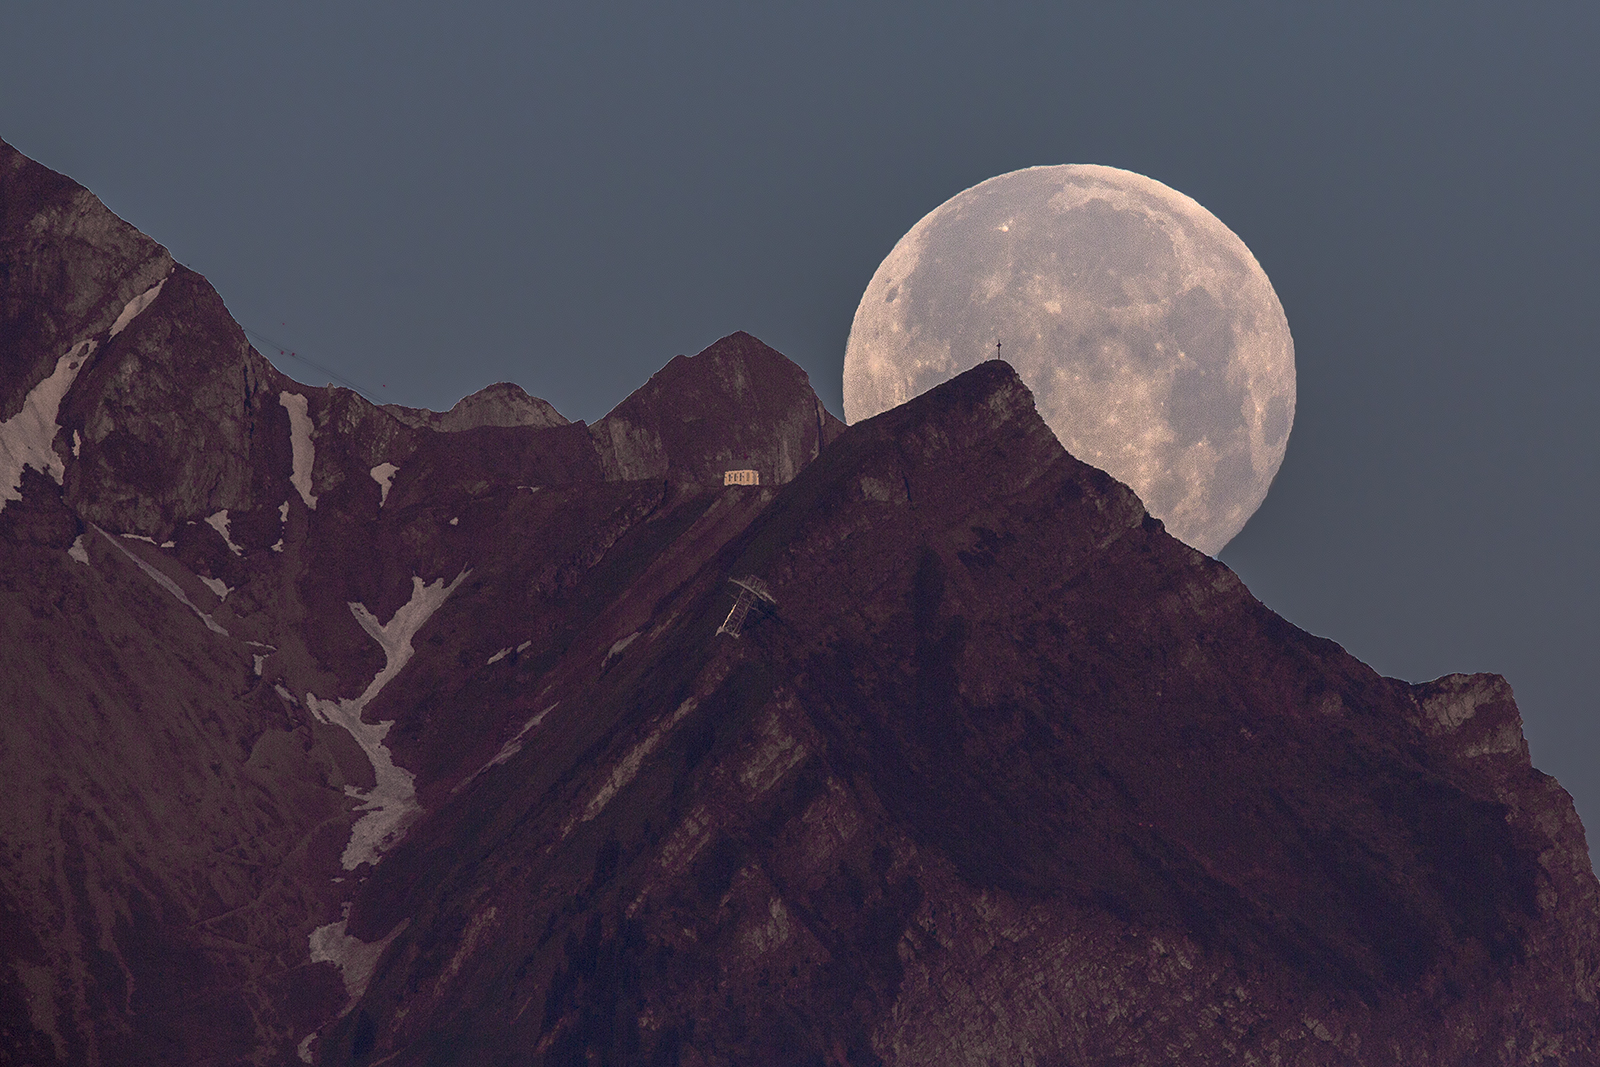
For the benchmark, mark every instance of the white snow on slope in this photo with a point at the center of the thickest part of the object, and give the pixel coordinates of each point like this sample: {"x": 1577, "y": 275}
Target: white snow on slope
{"x": 133, "y": 308}
{"x": 513, "y": 746}
{"x": 498, "y": 656}
{"x": 219, "y": 523}
{"x": 147, "y": 539}
{"x": 217, "y": 586}
{"x": 26, "y": 437}
{"x": 283, "y": 517}
{"x": 355, "y": 958}
{"x": 166, "y": 583}
{"x": 384, "y": 474}
{"x": 78, "y": 551}
{"x": 507, "y": 750}
{"x": 618, "y": 648}
{"x": 304, "y": 452}
{"x": 391, "y": 801}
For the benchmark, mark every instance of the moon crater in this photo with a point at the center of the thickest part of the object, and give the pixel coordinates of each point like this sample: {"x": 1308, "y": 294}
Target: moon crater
{"x": 1153, "y": 342}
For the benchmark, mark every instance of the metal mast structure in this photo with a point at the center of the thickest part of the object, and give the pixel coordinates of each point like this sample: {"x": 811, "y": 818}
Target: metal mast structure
{"x": 751, "y": 589}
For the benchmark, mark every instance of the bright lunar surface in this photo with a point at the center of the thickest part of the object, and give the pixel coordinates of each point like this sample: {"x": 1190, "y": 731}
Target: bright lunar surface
{"x": 1153, "y": 342}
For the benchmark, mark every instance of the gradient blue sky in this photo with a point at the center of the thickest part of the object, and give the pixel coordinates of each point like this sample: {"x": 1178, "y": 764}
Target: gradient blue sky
{"x": 426, "y": 200}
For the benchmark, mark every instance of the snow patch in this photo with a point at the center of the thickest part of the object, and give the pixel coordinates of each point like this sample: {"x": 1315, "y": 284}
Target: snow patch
{"x": 618, "y": 648}
{"x": 283, "y": 512}
{"x": 513, "y": 746}
{"x": 166, "y": 583}
{"x": 260, "y": 661}
{"x": 135, "y": 307}
{"x": 384, "y": 474}
{"x": 217, "y": 586}
{"x": 26, "y": 438}
{"x": 455, "y": 522}
{"x": 77, "y": 444}
{"x": 78, "y": 551}
{"x": 524, "y": 647}
{"x": 390, "y": 803}
{"x": 355, "y": 958}
{"x": 147, "y": 539}
{"x": 219, "y": 523}
{"x": 498, "y": 656}
{"x": 304, "y": 452}
{"x": 507, "y": 750}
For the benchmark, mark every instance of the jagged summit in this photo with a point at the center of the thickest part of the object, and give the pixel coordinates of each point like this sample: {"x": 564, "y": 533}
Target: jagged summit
{"x": 502, "y": 404}
{"x": 666, "y": 428}
{"x": 338, "y": 735}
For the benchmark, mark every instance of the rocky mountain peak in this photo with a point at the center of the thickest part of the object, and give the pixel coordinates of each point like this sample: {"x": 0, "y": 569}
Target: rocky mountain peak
{"x": 340, "y": 734}
{"x": 736, "y": 405}
{"x": 69, "y": 268}
{"x": 501, "y": 404}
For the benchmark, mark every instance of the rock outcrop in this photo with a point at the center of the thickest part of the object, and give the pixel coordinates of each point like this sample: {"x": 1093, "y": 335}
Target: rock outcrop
{"x": 352, "y": 735}
{"x": 502, "y": 404}
{"x": 738, "y": 405}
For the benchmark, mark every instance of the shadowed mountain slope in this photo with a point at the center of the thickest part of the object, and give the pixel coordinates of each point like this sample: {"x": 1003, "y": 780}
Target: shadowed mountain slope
{"x": 1002, "y": 750}
{"x": 354, "y": 735}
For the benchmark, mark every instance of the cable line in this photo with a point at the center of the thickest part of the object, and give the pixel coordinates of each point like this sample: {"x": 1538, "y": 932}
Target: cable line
{"x": 284, "y": 350}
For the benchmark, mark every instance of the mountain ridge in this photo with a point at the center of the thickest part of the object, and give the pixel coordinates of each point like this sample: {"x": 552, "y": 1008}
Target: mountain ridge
{"x": 343, "y": 735}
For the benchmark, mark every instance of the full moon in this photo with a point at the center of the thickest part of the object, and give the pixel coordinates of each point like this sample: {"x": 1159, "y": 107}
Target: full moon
{"x": 1153, "y": 342}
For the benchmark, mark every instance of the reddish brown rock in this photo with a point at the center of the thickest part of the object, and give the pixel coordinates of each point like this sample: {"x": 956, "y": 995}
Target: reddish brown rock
{"x": 1007, "y": 774}
{"x": 355, "y": 734}
{"x": 68, "y": 267}
{"x": 502, "y": 404}
{"x": 738, "y": 405}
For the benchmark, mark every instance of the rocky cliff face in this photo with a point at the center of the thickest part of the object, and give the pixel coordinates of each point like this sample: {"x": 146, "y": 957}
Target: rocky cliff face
{"x": 347, "y": 735}
{"x": 736, "y": 406}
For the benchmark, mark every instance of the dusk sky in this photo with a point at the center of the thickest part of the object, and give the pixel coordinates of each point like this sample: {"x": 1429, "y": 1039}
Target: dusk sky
{"x": 425, "y": 200}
